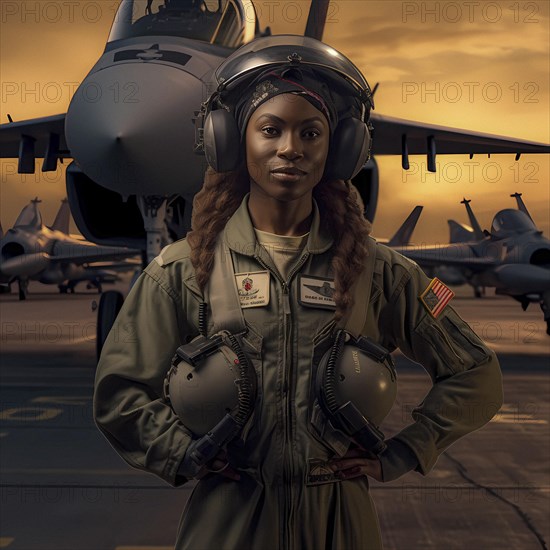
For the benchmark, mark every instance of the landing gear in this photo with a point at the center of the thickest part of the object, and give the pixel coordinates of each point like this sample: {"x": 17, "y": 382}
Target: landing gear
{"x": 153, "y": 211}
{"x": 95, "y": 283}
{"x": 479, "y": 291}
{"x": 66, "y": 289}
{"x": 23, "y": 288}
{"x": 545, "y": 306}
{"x": 109, "y": 306}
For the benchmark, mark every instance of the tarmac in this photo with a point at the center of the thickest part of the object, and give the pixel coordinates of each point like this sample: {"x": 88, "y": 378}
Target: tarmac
{"x": 62, "y": 487}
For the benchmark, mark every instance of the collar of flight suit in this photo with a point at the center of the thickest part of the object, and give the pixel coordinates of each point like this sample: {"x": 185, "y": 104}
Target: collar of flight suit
{"x": 240, "y": 237}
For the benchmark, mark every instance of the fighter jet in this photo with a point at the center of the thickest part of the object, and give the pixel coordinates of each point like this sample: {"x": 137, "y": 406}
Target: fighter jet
{"x": 129, "y": 126}
{"x": 513, "y": 257}
{"x": 460, "y": 233}
{"x": 130, "y": 132}
{"x": 32, "y": 251}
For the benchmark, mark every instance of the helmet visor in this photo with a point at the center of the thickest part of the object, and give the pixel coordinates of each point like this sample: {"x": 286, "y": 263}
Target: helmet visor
{"x": 286, "y": 49}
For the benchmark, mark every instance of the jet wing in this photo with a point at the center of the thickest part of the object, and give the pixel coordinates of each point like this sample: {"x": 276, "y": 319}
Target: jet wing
{"x": 395, "y": 136}
{"x": 34, "y": 138}
{"x": 124, "y": 265}
{"x": 454, "y": 255}
{"x": 45, "y": 138}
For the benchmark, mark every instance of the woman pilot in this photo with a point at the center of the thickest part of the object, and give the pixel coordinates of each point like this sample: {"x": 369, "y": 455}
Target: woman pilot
{"x": 277, "y": 281}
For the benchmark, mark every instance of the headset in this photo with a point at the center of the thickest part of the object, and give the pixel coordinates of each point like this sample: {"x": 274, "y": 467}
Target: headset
{"x": 217, "y": 132}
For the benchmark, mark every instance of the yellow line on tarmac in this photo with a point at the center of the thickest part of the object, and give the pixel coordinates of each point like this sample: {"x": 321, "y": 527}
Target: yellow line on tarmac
{"x": 6, "y": 541}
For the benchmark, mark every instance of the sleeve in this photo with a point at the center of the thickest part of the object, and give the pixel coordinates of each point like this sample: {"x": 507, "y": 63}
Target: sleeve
{"x": 467, "y": 382}
{"x": 128, "y": 405}
{"x": 396, "y": 460}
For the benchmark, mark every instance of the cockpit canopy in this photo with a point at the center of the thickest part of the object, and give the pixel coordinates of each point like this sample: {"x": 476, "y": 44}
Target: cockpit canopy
{"x": 511, "y": 221}
{"x": 228, "y": 23}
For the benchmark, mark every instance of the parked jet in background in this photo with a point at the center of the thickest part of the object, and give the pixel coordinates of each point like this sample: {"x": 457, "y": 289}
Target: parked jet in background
{"x": 402, "y": 237}
{"x": 513, "y": 257}
{"x": 461, "y": 233}
{"x": 33, "y": 251}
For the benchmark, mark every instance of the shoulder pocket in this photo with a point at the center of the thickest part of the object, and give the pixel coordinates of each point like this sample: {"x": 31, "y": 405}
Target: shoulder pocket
{"x": 465, "y": 339}
{"x": 450, "y": 340}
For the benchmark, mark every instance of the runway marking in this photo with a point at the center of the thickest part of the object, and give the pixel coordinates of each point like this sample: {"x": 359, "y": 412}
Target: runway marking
{"x": 29, "y": 414}
{"x": 509, "y": 414}
{"x": 518, "y": 419}
{"x": 6, "y": 541}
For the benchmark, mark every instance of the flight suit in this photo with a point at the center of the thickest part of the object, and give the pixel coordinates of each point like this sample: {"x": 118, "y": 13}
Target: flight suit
{"x": 278, "y": 504}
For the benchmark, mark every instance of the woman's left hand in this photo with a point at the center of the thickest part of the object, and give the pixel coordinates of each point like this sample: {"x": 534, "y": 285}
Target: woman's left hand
{"x": 356, "y": 463}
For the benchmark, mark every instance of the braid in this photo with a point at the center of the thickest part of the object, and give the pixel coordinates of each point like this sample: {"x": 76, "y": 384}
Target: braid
{"x": 339, "y": 208}
{"x": 221, "y": 195}
{"x": 218, "y": 199}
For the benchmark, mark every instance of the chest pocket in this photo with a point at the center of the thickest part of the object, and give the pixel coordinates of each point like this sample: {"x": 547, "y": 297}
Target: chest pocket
{"x": 331, "y": 439}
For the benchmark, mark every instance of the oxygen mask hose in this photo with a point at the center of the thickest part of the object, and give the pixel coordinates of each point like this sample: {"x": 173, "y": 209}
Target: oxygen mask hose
{"x": 331, "y": 400}
{"x": 244, "y": 385}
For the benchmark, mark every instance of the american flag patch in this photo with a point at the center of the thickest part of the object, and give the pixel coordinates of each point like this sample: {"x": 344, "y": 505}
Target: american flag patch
{"x": 436, "y": 297}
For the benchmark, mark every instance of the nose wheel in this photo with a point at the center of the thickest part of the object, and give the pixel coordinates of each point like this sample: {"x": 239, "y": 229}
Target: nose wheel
{"x": 153, "y": 210}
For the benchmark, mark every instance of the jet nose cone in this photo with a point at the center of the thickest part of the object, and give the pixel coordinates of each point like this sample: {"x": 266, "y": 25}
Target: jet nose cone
{"x": 129, "y": 127}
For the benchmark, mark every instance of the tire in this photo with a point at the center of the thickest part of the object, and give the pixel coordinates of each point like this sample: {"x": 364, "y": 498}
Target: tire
{"x": 109, "y": 306}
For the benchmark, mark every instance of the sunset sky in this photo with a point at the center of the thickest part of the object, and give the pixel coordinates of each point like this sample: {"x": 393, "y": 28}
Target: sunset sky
{"x": 482, "y": 66}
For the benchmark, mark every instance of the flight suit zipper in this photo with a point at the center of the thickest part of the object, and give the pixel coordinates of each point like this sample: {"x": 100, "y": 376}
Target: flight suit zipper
{"x": 287, "y": 385}
{"x": 286, "y": 323}
{"x": 287, "y": 418}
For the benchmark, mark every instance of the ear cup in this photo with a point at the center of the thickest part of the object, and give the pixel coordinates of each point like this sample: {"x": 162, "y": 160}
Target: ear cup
{"x": 349, "y": 149}
{"x": 222, "y": 141}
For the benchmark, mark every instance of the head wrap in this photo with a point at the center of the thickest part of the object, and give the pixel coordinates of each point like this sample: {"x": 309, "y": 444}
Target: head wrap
{"x": 303, "y": 81}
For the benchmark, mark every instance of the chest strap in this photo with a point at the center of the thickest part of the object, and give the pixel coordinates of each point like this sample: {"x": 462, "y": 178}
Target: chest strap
{"x": 221, "y": 293}
{"x": 355, "y": 321}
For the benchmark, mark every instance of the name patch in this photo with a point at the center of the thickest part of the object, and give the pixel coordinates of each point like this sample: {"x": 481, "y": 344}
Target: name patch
{"x": 253, "y": 288}
{"x": 316, "y": 292}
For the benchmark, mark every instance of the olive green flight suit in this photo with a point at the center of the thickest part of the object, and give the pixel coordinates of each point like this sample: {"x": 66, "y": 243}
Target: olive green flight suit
{"x": 272, "y": 507}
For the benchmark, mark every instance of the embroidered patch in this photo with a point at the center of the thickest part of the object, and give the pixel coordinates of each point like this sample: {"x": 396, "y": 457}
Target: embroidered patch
{"x": 436, "y": 297}
{"x": 316, "y": 292}
{"x": 319, "y": 472}
{"x": 253, "y": 288}
{"x": 263, "y": 90}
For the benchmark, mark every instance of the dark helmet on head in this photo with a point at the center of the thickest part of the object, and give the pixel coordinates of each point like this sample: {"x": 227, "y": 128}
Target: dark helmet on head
{"x": 345, "y": 89}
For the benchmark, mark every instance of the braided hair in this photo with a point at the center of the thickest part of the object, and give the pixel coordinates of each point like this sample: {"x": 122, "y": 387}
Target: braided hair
{"x": 339, "y": 208}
